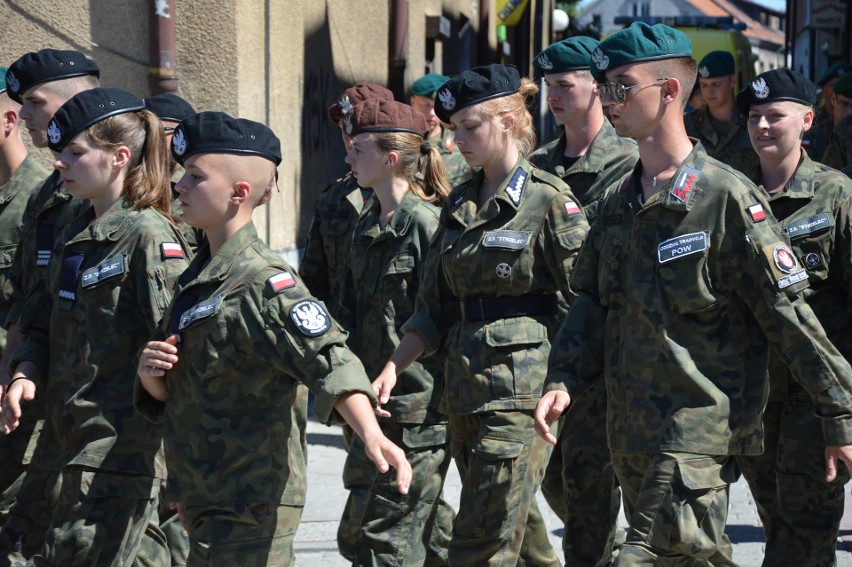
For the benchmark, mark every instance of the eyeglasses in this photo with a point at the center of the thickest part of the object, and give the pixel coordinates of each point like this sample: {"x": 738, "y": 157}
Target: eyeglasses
{"x": 618, "y": 92}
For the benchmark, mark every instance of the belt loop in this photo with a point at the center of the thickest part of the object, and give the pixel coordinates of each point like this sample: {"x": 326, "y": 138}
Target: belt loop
{"x": 481, "y": 309}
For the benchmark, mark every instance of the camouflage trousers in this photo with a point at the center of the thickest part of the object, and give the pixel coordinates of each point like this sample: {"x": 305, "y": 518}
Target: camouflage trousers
{"x": 358, "y": 474}
{"x": 800, "y": 511}
{"x": 244, "y": 535}
{"x": 23, "y": 532}
{"x": 501, "y": 461}
{"x": 413, "y": 529}
{"x": 580, "y": 485}
{"x": 101, "y": 518}
{"x": 16, "y": 451}
{"x": 677, "y": 506}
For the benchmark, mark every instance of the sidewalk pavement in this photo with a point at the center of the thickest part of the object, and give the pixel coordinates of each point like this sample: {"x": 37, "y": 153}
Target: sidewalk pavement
{"x": 316, "y": 539}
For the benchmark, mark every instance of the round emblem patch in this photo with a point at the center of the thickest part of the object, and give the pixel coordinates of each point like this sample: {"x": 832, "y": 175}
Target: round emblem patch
{"x": 179, "y": 141}
{"x": 503, "y": 270}
{"x": 784, "y": 259}
{"x": 310, "y": 318}
{"x": 53, "y": 132}
{"x": 812, "y": 260}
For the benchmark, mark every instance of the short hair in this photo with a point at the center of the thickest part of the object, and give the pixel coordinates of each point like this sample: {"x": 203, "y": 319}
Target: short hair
{"x": 684, "y": 69}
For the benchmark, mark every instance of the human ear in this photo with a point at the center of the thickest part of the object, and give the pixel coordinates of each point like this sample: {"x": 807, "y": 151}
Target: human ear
{"x": 121, "y": 156}
{"x": 241, "y": 192}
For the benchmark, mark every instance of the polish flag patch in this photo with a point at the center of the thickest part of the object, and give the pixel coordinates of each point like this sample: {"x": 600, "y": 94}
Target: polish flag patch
{"x": 171, "y": 250}
{"x": 757, "y": 213}
{"x": 571, "y": 208}
{"x": 281, "y": 281}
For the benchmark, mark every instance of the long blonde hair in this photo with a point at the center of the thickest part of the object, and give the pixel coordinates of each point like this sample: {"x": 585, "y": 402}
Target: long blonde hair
{"x": 515, "y": 105}
{"x": 413, "y": 160}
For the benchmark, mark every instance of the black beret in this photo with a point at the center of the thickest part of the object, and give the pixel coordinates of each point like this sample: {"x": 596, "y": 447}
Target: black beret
{"x": 381, "y": 115}
{"x": 218, "y": 133}
{"x": 354, "y": 95}
{"x": 44, "y": 66}
{"x": 775, "y": 85}
{"x": 87, "y": 108}
{"x": 168, "y": 106}
{"x": 474, "y": 86}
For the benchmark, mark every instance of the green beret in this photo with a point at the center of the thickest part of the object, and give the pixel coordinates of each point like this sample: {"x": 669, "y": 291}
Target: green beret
{"x": 716, "y": 64}
{"x": 428, "y": 85}
{"x": 834, "y": 72}
{"x": 572, "y": 54}
{"x": 843, "y": 86}
{"x": 3, "y": 79}
{"x": 636, "y": 44}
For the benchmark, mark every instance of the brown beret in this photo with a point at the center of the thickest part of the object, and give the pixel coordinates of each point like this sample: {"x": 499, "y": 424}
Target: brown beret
{"x": 381, "y": 115}
{"x": 355, "y": 95}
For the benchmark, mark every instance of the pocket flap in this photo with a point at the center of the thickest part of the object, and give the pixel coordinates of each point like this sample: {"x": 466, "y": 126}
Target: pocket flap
{"x": 492, "y": 449}
{"x": 705, "y": 473}
{"x": 424, "y": 436}
{"x": 515, "y": 332}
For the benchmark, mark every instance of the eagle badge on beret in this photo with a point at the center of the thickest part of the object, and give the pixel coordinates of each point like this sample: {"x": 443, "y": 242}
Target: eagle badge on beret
{"x": 179, "y": 142}
{"x": 600, "y": 60}
{"x": 544, "y": 62}
{"x": 12, "y": 82}
{"x": 704, "y": 71}
{"x": 53, "y": 132}
{"x": 345, "y": 104}
{"x": 446, "y": 98}
{"x": 760, "y": 88}
{"x": 347, "y": 123}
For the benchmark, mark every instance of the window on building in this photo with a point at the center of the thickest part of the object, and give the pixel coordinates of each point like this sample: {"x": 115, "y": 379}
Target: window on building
{"x": 640, "y": 9}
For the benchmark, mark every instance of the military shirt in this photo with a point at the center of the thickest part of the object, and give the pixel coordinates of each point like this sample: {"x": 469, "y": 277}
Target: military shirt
{"x": 607, "y": 160}
{"x": 386, "y": 267}
{"x": 731, "y": 146}
{"x": 250, "y": 334}
{"x": 521, "y": 242}
{"x": 14, "y": 196}
{"x": 678, "y": 302}
{"x": 815, "y": 210}
{"x": 106, "y": 293}
{"x": 457, "y": 168}
{"x": 816, "y": 140}
{"x": 323, "y": 267}
{"x": 838, "y": 154}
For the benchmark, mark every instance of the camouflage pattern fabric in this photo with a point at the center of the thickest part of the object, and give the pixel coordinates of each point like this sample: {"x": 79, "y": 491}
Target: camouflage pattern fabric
{"x": 358, "y": 474}
{"x": 250, "y": 535}
{"x": 23, "y": 532}
{"x": 838, "y": 154}
{"x": 815, "y": 140}
{"x": 606, "y": 161}
{"x": 731, "y": 145}
{"x": 323, "y": 267}
{"x": 800, "y": 511}
{"x": 579, "y": 483}
{"x": 457, "y": 169}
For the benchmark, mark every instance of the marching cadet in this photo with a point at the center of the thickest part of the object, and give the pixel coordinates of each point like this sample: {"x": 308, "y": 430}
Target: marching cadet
{"x": 684, "y": 283}
{"x": 105, "y": 294}
{"x": 839, "y": 152}
{"x": 41, "y": 82}
{"x": 20, "y": 176}
{"x": 589, "y": 157}
{"x": 386, "y": 263}
{"x": 503, "y": 249}
{"x": 799, "y": 509}
{"x": 718, "y": 126}
{"x": 816, "y": 139}
{"x": 323, "y": 269}
{"x": 439, "y": 137}
{"x": 225, "y": 370}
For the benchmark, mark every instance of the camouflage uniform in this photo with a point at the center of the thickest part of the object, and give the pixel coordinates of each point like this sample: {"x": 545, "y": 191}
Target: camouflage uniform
{"x": 815, "y": 140}
{"x": 49, "y": 210}
{"x": 15, "y": 449}
{"x": 249, "y": 332}
{"x": 579, "y": 483}
{"x": 105, "y": 294}
{"x": 799, "y": 510}
{"x": 458, "y": 171}
{"x": 838, "y": 154}
{"x": 678, "y": 302}
{"x": 386, "y": 265}
{"x": 489, "y": 298}
{"x": 731, "y": 146}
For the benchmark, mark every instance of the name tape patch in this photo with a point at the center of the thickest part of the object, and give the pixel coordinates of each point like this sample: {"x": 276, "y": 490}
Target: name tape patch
{"x": 680, "y": 246}
{"x": 199, "y": 311}
{"x": 807, "y": 226}
{"x": 107, "y": 269}
{"x": 508, "y": 239}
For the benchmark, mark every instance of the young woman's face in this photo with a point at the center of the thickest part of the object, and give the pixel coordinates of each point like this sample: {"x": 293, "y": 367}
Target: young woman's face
{"x": 776, "y": 128}
{"x": 86, "y": 170}
{"x": 368, "y": 166}
{"x": 204, "y": 192}
{"x": 478, "y": 140}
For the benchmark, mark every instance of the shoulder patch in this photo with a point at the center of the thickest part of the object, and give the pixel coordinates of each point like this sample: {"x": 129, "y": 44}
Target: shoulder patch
{"x": 310, "y": 318}
{"x": 757, "y": 213}
{"x": 684, "y": 183}
{"x": 785, "y": 268}
{"x": 571, "y": 208}
{"x": 516, "y": 186}
{"x": 280, "y": 282}
{"x": 171, "y": 250}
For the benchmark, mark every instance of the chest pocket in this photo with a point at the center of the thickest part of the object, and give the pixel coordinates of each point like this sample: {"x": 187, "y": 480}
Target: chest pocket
{"x": 398, "y": 287}
{"x": 208, "y": 345}
{"x": 682, "y": 274}
{"x": 100, "y": 291}
{"x": 506, "y": 257}
{"x": 812, "y": 240}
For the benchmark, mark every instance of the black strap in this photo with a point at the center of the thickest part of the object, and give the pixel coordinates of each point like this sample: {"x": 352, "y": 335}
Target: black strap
{"x": 487, "y": 308}
{"x": 44, "y": 244}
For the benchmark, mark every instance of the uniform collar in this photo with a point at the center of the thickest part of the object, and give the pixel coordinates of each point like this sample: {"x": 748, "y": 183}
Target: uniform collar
{"x": 400, "y": 221}
{"x": 801, "y": 185}
{"x": 218, "y": 267}
{"x": 19, "y": 179}
{"x": 679, "y": 192}
{"x": 111, "y": 226}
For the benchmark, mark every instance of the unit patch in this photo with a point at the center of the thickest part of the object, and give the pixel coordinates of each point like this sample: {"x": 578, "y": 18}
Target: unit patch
{"x": 571, "y": 208}
{"x": 685, "y": 182}
{"x": 171, "y": 250}
{"x": 757, "y": 213}
{"x": 282, "y": 281}
{"x": 680, "y": 246}
{"x": 507, "y": 239}
{"x": 310, "y": 318}
{"x": 515, "y": 188}
{"x": 107, "y": 269}
{"x": 807, "y": 226}
{"x": 785, "y": 268}
{"x": 812, "y": 260}
{"x": 784, "y": 259}
{"x": 199, "y": 311}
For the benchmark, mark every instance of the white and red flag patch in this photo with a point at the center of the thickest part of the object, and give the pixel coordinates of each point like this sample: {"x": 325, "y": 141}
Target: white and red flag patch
{"x": 281, "y": 281}
{"x": 571, "y": 208}
{"x": 757, "y": 213}
{"x": 171, "y": 250}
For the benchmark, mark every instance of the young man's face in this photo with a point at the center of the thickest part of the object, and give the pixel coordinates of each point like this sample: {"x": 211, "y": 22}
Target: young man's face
{"x": 842, "y": 107}
{"x": 40, "y": 104}
{"x": 570, "y": 96}
{"x": 776, "y": 129}
{"x": 426, "y": 106}
{"x": 718, "y": 91}
{"x": 641, "y": 108}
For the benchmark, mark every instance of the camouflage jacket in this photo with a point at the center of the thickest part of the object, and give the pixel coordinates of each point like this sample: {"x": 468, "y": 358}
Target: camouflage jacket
{"x": 732, "y": 146}
{"x": 521, "y": 242}
{"x": 323, "y": 267}
{"x": 106, "y": 293}
{"x": 815, "y": 140}
{"x": 838, "y": 154}
{"x": 607, "y": 160}
{"x": 678, "y": 302}
{"x": 815, "y": 210}
{"x": 458, "y": 171}
{"x": 250, "y": 334}
{"x": 14, "y": 196}
{"x": 386, "y": 266}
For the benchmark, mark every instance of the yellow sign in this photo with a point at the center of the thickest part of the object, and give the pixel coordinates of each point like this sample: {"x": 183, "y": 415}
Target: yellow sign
{"x": 510, "y": 12}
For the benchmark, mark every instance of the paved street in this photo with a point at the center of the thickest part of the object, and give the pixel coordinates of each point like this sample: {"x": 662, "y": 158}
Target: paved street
{"x": 316, "y": 545}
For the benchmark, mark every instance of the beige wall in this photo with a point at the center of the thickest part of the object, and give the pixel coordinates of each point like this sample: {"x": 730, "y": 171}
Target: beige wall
{"x": 227, "y": 61}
